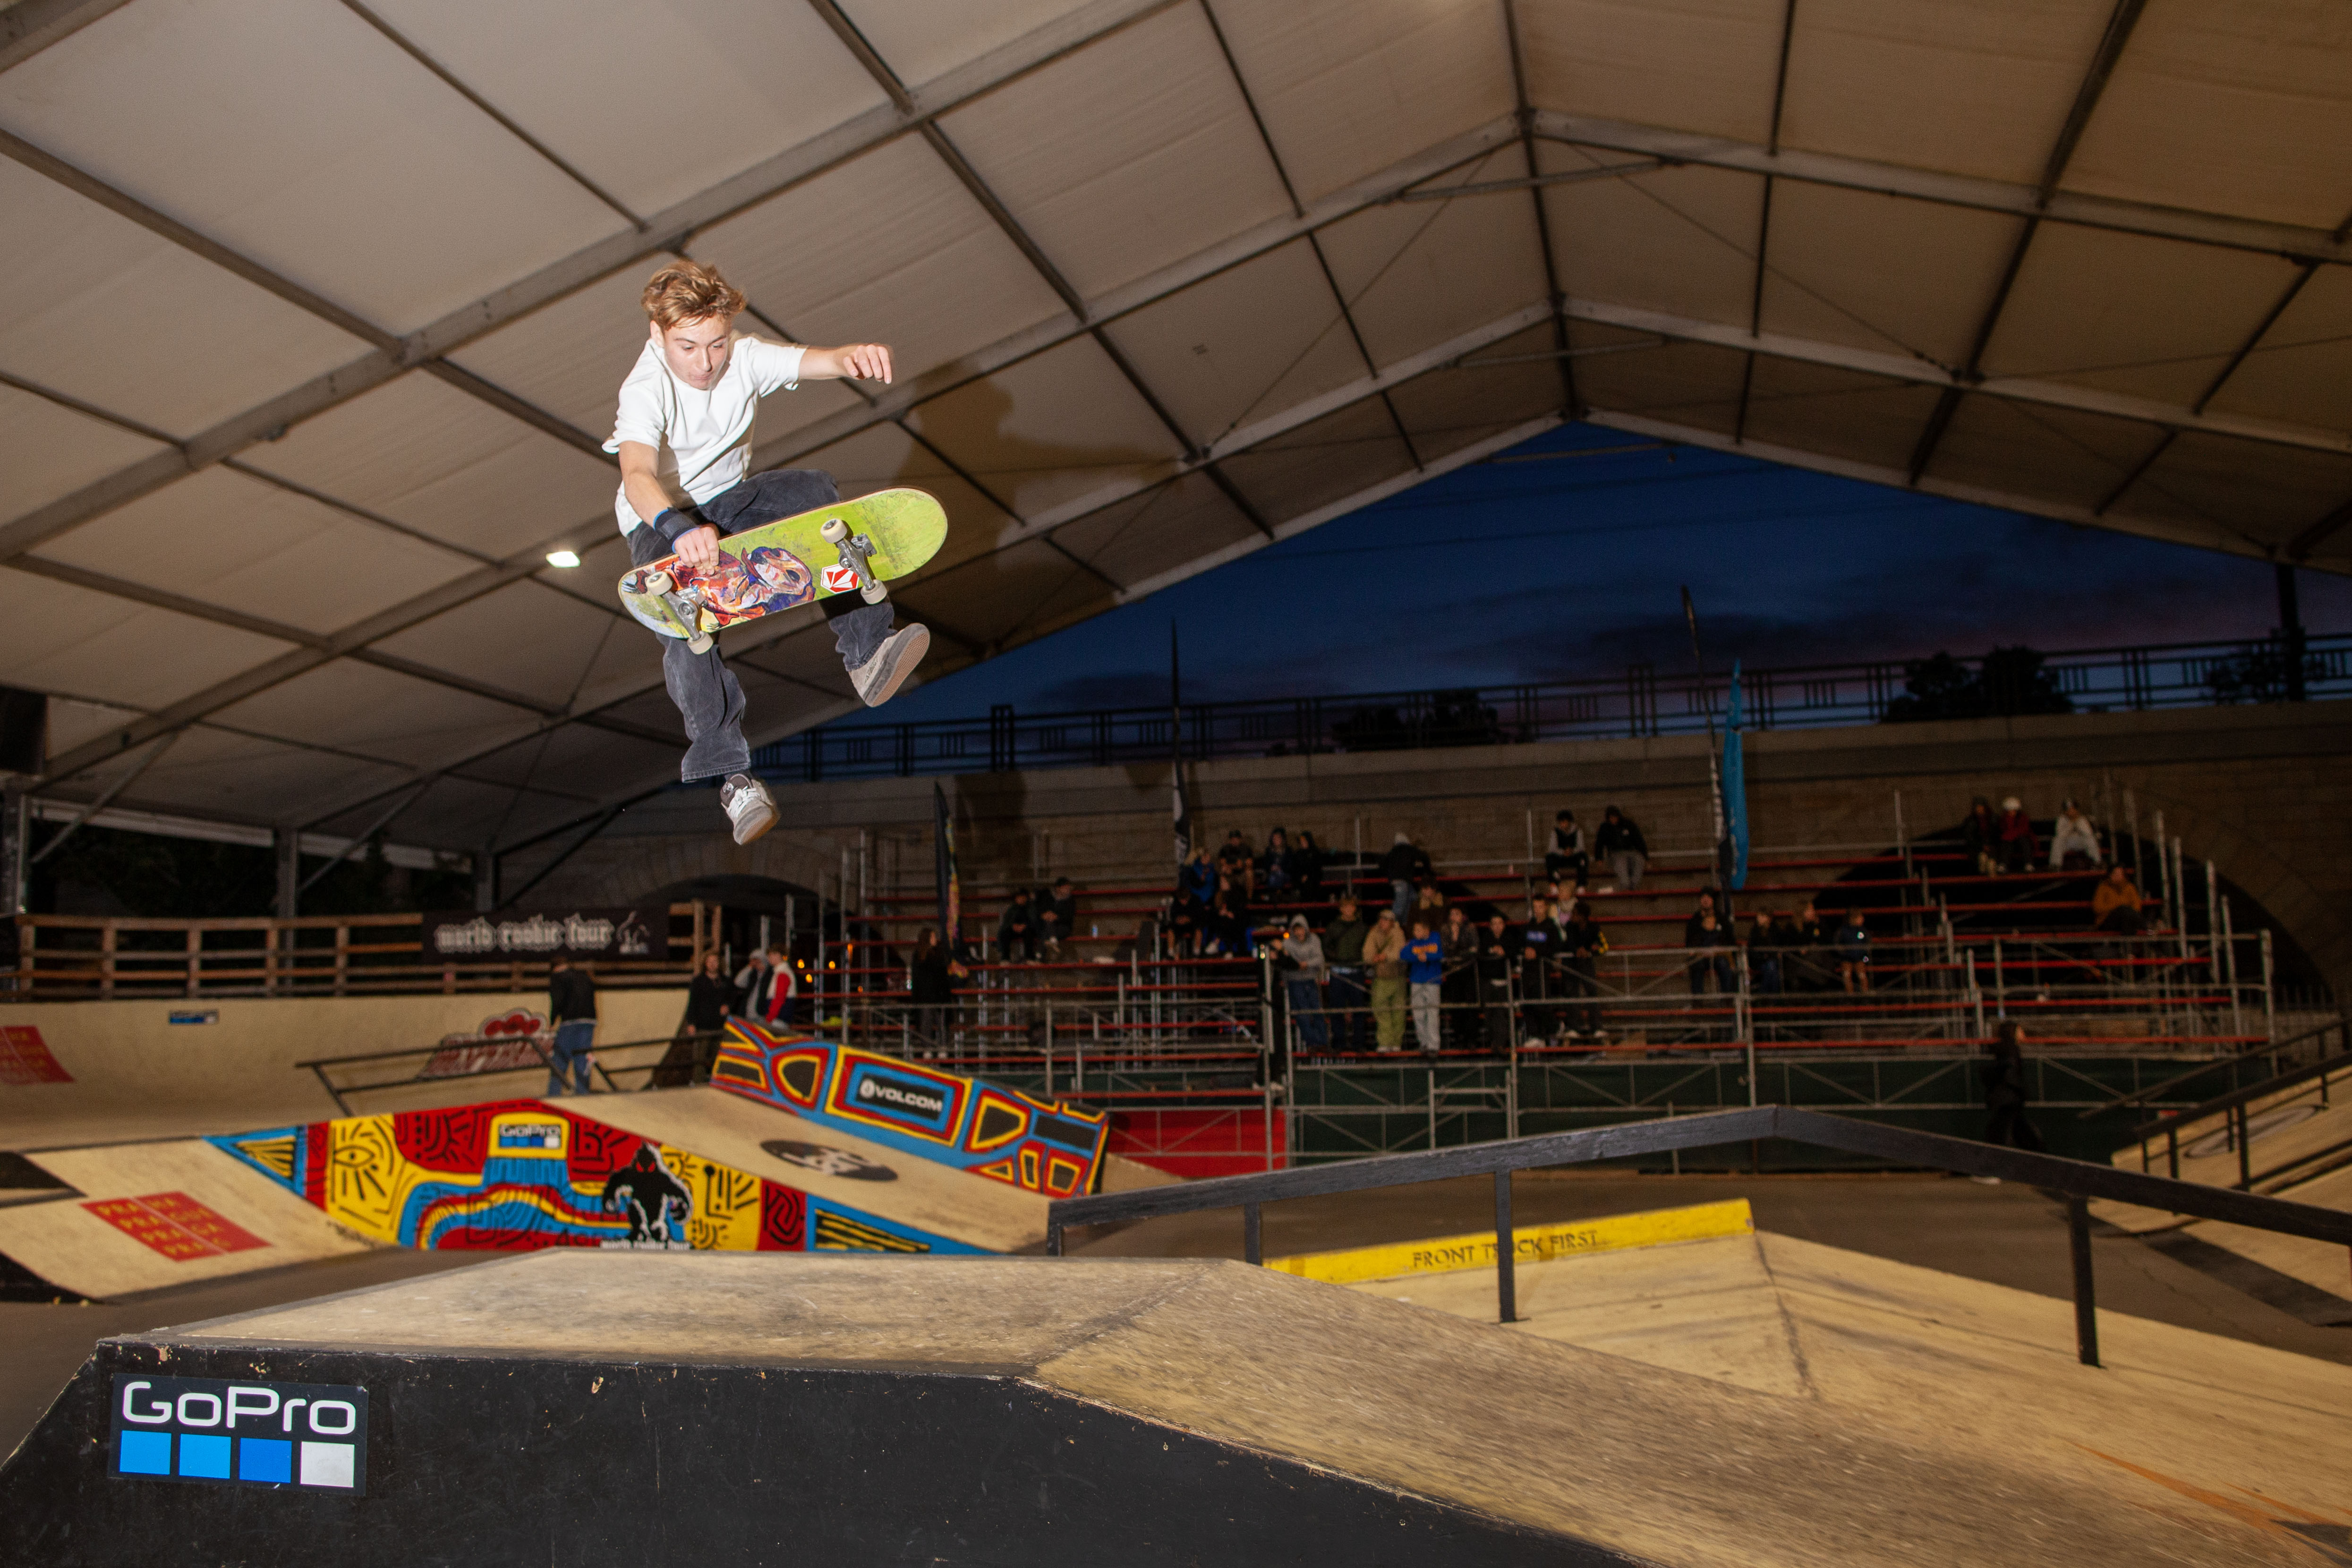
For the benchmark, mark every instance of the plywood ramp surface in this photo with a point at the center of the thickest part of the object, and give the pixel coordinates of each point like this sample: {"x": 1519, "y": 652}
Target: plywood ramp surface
{"x": 924, "y": 1194}
{"x": 1654, "y": 1463}
{"x": 2301, "y": 1149}
{"x": 67, "y": 1245}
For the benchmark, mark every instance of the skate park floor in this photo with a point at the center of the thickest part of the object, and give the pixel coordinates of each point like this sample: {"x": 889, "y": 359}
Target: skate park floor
{"x": 2007, "y": 1235}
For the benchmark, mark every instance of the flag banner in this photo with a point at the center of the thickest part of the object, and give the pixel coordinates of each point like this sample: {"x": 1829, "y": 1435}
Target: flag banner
{"x": 944, "y": 856}
{"x": 1734, "y": 792}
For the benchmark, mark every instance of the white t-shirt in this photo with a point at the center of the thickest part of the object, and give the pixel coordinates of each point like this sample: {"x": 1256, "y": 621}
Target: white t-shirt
{"x": 701, "y": 440}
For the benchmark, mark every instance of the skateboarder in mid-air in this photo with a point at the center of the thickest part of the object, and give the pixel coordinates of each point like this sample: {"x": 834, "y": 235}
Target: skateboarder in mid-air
{"x": 684, "y": 438}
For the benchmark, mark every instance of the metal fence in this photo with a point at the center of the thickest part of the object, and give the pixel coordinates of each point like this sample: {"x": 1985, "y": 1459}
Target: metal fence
{"x": 1644, "y": 701}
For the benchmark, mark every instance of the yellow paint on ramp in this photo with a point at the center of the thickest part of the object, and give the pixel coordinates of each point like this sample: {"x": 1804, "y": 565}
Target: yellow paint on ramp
{"x": 1531, "y": 1244}
{"x": 923, "y": 1192}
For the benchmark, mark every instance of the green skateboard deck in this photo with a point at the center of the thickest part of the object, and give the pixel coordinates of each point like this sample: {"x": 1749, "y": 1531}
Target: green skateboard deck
{"x": 850, "y": 547}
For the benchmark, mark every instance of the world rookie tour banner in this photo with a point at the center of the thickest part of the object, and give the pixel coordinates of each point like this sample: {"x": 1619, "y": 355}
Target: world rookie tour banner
{"x": 575, "y": 933}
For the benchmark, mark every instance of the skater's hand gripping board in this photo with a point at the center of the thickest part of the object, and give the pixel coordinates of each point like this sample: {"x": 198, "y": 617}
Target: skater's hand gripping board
{"x": 850, "y": 547}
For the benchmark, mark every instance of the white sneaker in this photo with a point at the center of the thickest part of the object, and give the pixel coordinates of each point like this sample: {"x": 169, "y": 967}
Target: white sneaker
{"x": 749, "y": 806}
{"x": 879, "y": 678}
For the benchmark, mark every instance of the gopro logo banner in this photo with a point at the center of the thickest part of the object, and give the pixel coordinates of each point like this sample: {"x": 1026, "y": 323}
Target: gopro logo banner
{"x": 311, "y": 1435}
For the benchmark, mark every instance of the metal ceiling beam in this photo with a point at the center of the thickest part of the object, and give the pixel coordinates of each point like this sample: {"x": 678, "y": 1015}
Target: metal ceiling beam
{"x": 1918, "y": 372}
{"x": 2110, "y": 50}
{"x": 31, "y": 26}
{"x": 662, "y": 232}
{"x": 1764, "y": 220}
{"x": 1525, "y": 114}
{"x": 2293, "y": 241}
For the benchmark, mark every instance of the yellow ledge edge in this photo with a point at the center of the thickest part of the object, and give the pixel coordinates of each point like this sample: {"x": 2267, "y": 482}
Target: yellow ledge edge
{"x": 1533, "y": 1244}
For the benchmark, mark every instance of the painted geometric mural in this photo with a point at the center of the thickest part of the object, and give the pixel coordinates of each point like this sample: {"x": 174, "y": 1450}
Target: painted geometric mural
{"x": 1039, "y": 1145}
{"x": 520, "y": 1173}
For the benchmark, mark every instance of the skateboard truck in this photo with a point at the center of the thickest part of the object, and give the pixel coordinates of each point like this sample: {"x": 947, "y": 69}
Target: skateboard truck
{"x": 857, "y": 555}
{"x": 665, "y": 587}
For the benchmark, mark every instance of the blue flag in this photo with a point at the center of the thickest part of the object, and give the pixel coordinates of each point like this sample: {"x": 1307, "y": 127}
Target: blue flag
{"x": 1734, "y": 852}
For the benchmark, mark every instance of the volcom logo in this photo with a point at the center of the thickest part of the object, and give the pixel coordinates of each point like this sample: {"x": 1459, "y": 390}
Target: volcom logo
{"x": 825, "y": 1161}
{"x": 261, "y": 1434}
{"x": 902, "y": 1094}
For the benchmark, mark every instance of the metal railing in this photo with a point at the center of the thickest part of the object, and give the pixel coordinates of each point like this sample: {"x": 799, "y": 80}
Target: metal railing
{"x": 1641, "y": 702}
{"x": 2079, "y": 1180}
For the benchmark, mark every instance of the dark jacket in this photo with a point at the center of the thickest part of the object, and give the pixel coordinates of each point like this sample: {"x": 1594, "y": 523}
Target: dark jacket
{"x": 570, "y": 997}
{"x": 1623, "y": 837}
{"x": 1403, "y": 862}
{"x": 1583, "y": 940}
{"x": 1018, "y": 923}
{"x": 1695, "y": 936}
{"x": 2005, "y": 1078}
{"x": 1496, "y": 953}
{"x": 708, "y": 997}
{"x": 1065, "y": 910}
{"x": 933, "y": 985}
{"x": 1343, "y": 942}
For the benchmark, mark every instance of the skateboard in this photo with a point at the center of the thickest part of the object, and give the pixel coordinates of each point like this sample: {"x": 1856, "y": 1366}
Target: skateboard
{"x": 850, "y": 547}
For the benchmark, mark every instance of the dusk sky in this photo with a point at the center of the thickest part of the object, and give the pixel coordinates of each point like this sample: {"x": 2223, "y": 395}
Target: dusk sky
{"x": 1571, "y": 567}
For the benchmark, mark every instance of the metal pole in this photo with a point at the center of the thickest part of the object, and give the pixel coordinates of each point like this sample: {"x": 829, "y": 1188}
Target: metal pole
{"x": 1976, "y": 995}
{"x": 1253, "y": 1237}
{"x": 2213, "y": 920}
{"x": 1506, "y": 1253}
{"x": 1999, "y": 983}
{"x": 2180, "y": 890}
{"x": 2086, "y": 1319}
{"x": 2269, "y": 1013}
{"x": 2245, "y": 1139}
{"x": 2229, "y": 977}
{"x": 1746, "y": 1022}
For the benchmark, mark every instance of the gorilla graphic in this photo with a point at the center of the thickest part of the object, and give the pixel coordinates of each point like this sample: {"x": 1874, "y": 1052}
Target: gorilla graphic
{"x": 651, "y": 1197}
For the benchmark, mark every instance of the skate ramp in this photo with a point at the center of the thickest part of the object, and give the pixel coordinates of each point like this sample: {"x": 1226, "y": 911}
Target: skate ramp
{"x": 691, "y": 1408}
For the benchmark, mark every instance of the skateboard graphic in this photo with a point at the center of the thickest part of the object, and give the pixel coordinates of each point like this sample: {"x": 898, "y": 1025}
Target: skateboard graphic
{"x": 850, "y": 547}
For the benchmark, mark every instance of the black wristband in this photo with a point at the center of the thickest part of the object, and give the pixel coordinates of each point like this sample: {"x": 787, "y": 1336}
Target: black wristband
{"x": 676, "y": 523}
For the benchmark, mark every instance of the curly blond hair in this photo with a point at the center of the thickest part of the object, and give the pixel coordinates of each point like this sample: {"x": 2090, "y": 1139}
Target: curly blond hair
{"x": 687, "y": 290}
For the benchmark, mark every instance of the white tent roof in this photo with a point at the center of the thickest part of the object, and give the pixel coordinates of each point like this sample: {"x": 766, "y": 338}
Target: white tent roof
{"x": 315, "y": 312}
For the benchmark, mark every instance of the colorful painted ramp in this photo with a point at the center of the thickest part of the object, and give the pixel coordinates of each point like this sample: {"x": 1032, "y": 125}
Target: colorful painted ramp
{"x": 984, "y": 1128}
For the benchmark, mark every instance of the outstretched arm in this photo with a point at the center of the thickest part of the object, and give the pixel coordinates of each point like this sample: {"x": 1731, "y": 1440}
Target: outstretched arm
{"x": 861, "y": 361}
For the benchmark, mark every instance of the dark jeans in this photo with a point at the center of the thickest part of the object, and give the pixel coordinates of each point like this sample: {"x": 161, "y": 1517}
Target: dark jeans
{"x": 1497, "y": 995}
{"x": 1348, "y": 999}
{"x": 1307, "y": 1012}
{"x": 708, "y": 695}
{"x": 1577, "y": 980}
{"x": 570, "y": 1055}
{"x": 2008, "y": 1125}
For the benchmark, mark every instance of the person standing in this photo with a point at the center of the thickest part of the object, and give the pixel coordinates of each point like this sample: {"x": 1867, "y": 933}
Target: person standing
{"x": 1301, "y": 957}
{"x": 1539, "y": 950}
{"x": 2005, "y": 1098}
{"x": 1401, "y": 865}
{"x": 1307, "y": 868}
{"x": 930, "y": 986}
{"x": 1583, "y": 945}
{"x": 1424, "y": 968}
{"x": 1494, "y": 962}
{"x": 1274, "y": 869}
{"x": 1459, "y": 991}
{"x": 709, "y": 1003}
{"x": 1384, "y": 952}
{"x": 1620, "y": 841}
{"x": 1852, "y": 944}
{"x": 571, "y": 1008}
{"x": 1343, "y": 953}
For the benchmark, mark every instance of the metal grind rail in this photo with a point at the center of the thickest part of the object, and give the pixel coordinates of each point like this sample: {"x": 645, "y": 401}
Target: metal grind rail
{"x": 2078, "y": 1180}
{"x": 319, "y": 1065}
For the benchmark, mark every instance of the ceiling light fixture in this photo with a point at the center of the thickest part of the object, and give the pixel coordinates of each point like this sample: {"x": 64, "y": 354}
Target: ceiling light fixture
{"x": 561, "y": 558}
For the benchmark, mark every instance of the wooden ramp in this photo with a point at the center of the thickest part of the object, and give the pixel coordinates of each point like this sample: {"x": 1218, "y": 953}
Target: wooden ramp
{"x": 709, "y": 1408}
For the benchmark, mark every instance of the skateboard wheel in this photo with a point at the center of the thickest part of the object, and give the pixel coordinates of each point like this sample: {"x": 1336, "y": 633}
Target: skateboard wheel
{"x": 659, "y": 583}
{"x": 834, "y": 531}
{"x": 701, "y": 643}
{"x": 874, "y": 593}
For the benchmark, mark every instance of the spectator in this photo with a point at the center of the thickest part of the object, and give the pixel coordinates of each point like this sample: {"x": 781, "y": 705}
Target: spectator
{"x": 1274, "y": 869}
{"x": 571, "y": 1008}
{"x": 1565, "y": 857}
{"x": 766, "y": 986}
{"x": 1343, "y": 953}
{"x": 1236, "y": 860}
{"x": 1495, "y": 954}
{"x": 931, "y": 987}
{"x": 1853, "y": 945}
{"x": 1057, "y": 915}
{"x": 1016, "y": 930}
{"x": 1307, "y": 868}
{"x": 1384, "y": 952}
{"x": 2074, "y": 842}
{"x": 1804, "y": 966}
{"x": 1582, "y": 943}
{"x": 2017, "y": 849}
{"x": 1405, "y": 861}
{"x": 1230, "y": 923}
{"x": 1620, "y": 841}
{"x": 1461, "y": 983}
{"x": 2115, "y": 903}
{"x": 2004, "y": 1081}
{"x": 709, "y": 1000}
{"x": 1540, "y": 941}
{"x": 1198, "y": 879}
{"x": 1301, "y": 957}
{"x": 1424, "y": 958}
{"x": 1184, "y": 914}
{"x": 1772, "y": 934}
{"x": 1980, "y": 838}
{"x": 1704, "y": 934}
{"x": 1428, "y": 903}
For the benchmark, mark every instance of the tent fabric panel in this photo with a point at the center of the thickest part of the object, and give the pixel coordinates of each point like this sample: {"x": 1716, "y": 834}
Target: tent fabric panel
{"x": 997, "y": 598}
{"x": 1157, "y": 531}
{"x": 1125, "y": 157}
{"x": 2229, "y": 109}
{"x": 1863, "y": 418}
{"x": 2256, "y": 491}
{"x": 212, "y": 772}
{"x": 1051, "y": 429}
{"x": 582, "y": 763}
{"x": 127, "y": 322}
{"x": 377, "y": 712}
{"x": 1347, "y": 87}
{"x": 1679, "y": 241}
{"x": 570, "y": 357}
{"x": 1335, "y": 456}
{"x": 55, "y": 636}
{"x": 1700, "y": 65}
{"x": 47, "y": 450}
{"x": 299, "y": 136}
{"x": 2153, "y": 318}
{"x": 889, "y": 247}
{"x": 1417, "y": 274}
{"x": 1248, "y": 343}
{"x": 1686, "y": 383}
{"x": 764, "y": 77}
{"x": 425, "y": 455}
{"x": 2055, "y": 454}
{"x": 2302, "y": 370}
{"x": 1981, "y": 89}
{"x": 293, "y": 560}
{"x": 885, "y": 458}
{"x": 1851, "y": 267}
{"x": 550, "y": 648}
{"x": 922, "y": 40}
{"x": 1446, "y": 410}
{"x": 76, "y": 721}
